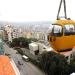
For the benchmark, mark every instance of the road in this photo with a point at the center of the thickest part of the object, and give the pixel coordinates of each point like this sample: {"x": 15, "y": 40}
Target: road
{"x": 27, "y": 68}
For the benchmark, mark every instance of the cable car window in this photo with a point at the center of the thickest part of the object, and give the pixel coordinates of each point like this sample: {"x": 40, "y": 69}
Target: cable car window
{"x": 69, "y": 30}
{"x": 57, "y": 30}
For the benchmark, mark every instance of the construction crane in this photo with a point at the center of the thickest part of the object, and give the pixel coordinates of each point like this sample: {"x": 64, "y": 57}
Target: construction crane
{"x": 62, "y": 32}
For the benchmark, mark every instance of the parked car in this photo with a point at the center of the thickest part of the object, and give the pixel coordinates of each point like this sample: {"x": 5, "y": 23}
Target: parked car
{"x": 24, "y": 57}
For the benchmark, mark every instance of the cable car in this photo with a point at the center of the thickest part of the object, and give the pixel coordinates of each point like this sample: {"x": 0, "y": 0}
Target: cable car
{"x": 62, "y": 32}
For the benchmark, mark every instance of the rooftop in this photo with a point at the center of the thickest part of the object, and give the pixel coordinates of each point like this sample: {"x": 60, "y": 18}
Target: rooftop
{"x": 5, "y": 66}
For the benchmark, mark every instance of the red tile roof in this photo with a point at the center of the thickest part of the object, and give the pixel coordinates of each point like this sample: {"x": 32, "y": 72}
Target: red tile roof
{"x": 5, "y": 66}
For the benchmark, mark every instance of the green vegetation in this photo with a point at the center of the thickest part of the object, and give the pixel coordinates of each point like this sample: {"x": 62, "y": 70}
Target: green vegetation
{"x": 55, "y": 64}
{"x": 20, "y": 42}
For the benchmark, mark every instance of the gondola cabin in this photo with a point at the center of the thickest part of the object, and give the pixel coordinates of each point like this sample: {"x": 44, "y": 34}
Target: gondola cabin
{"x": 62, "y": 35}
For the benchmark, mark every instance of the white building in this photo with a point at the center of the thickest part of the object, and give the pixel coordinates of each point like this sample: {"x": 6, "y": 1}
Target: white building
{"x": 8, "y": 29}
{"x": 39, "y": 35}
{"x": 34, "y": 49}
{"x": 39, "y": 48}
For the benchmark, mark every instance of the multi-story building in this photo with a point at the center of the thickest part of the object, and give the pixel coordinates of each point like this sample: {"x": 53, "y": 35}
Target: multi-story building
{"x": 39, "y": 35}
{"x": 5, "y": 35}
{"x": 15, "y": 33}
{"x": 25, "y": 34}
{"x": 8, "y": 32}
{"x": 1, "y": 34}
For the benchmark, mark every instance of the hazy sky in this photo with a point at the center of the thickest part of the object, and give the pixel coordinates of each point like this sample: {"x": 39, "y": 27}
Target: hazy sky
{"x": 33, "y": 10}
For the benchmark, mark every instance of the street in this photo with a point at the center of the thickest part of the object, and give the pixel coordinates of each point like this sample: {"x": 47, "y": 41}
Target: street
{"x": 26, "y": 68}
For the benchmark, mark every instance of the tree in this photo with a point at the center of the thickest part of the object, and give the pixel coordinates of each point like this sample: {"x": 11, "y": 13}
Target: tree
{"x": 21, "y": 41}
{"x": 72, "y": 62}
{"x": 15, "y": 42}
{"x": 54, "y": 64}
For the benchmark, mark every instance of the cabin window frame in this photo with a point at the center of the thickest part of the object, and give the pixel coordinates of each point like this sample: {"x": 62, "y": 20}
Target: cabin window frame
{"x": 68, "y": 32}
{"x": 57, "y": 34}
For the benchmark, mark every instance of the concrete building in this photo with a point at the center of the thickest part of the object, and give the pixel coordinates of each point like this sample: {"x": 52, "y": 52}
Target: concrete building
{"x": 19, "y": 32}
{"x": 5, "y": 35}
{"x": 39, "y": 35}
{"x": 8, "y": 32}
{"x": 35, "y": 35}
{"x": 39, "y": 48}
{"x": 14, "y": 35}
{"x": 34, "y": 48}
{"x": 26, "y": 34}
{"x": 69, "y": 54}
{"x": 1, "y": 34}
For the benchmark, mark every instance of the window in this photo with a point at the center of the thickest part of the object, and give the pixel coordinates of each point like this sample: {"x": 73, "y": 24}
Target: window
{"x": 69, "y": 30}
{"x": 57, "y": 30}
